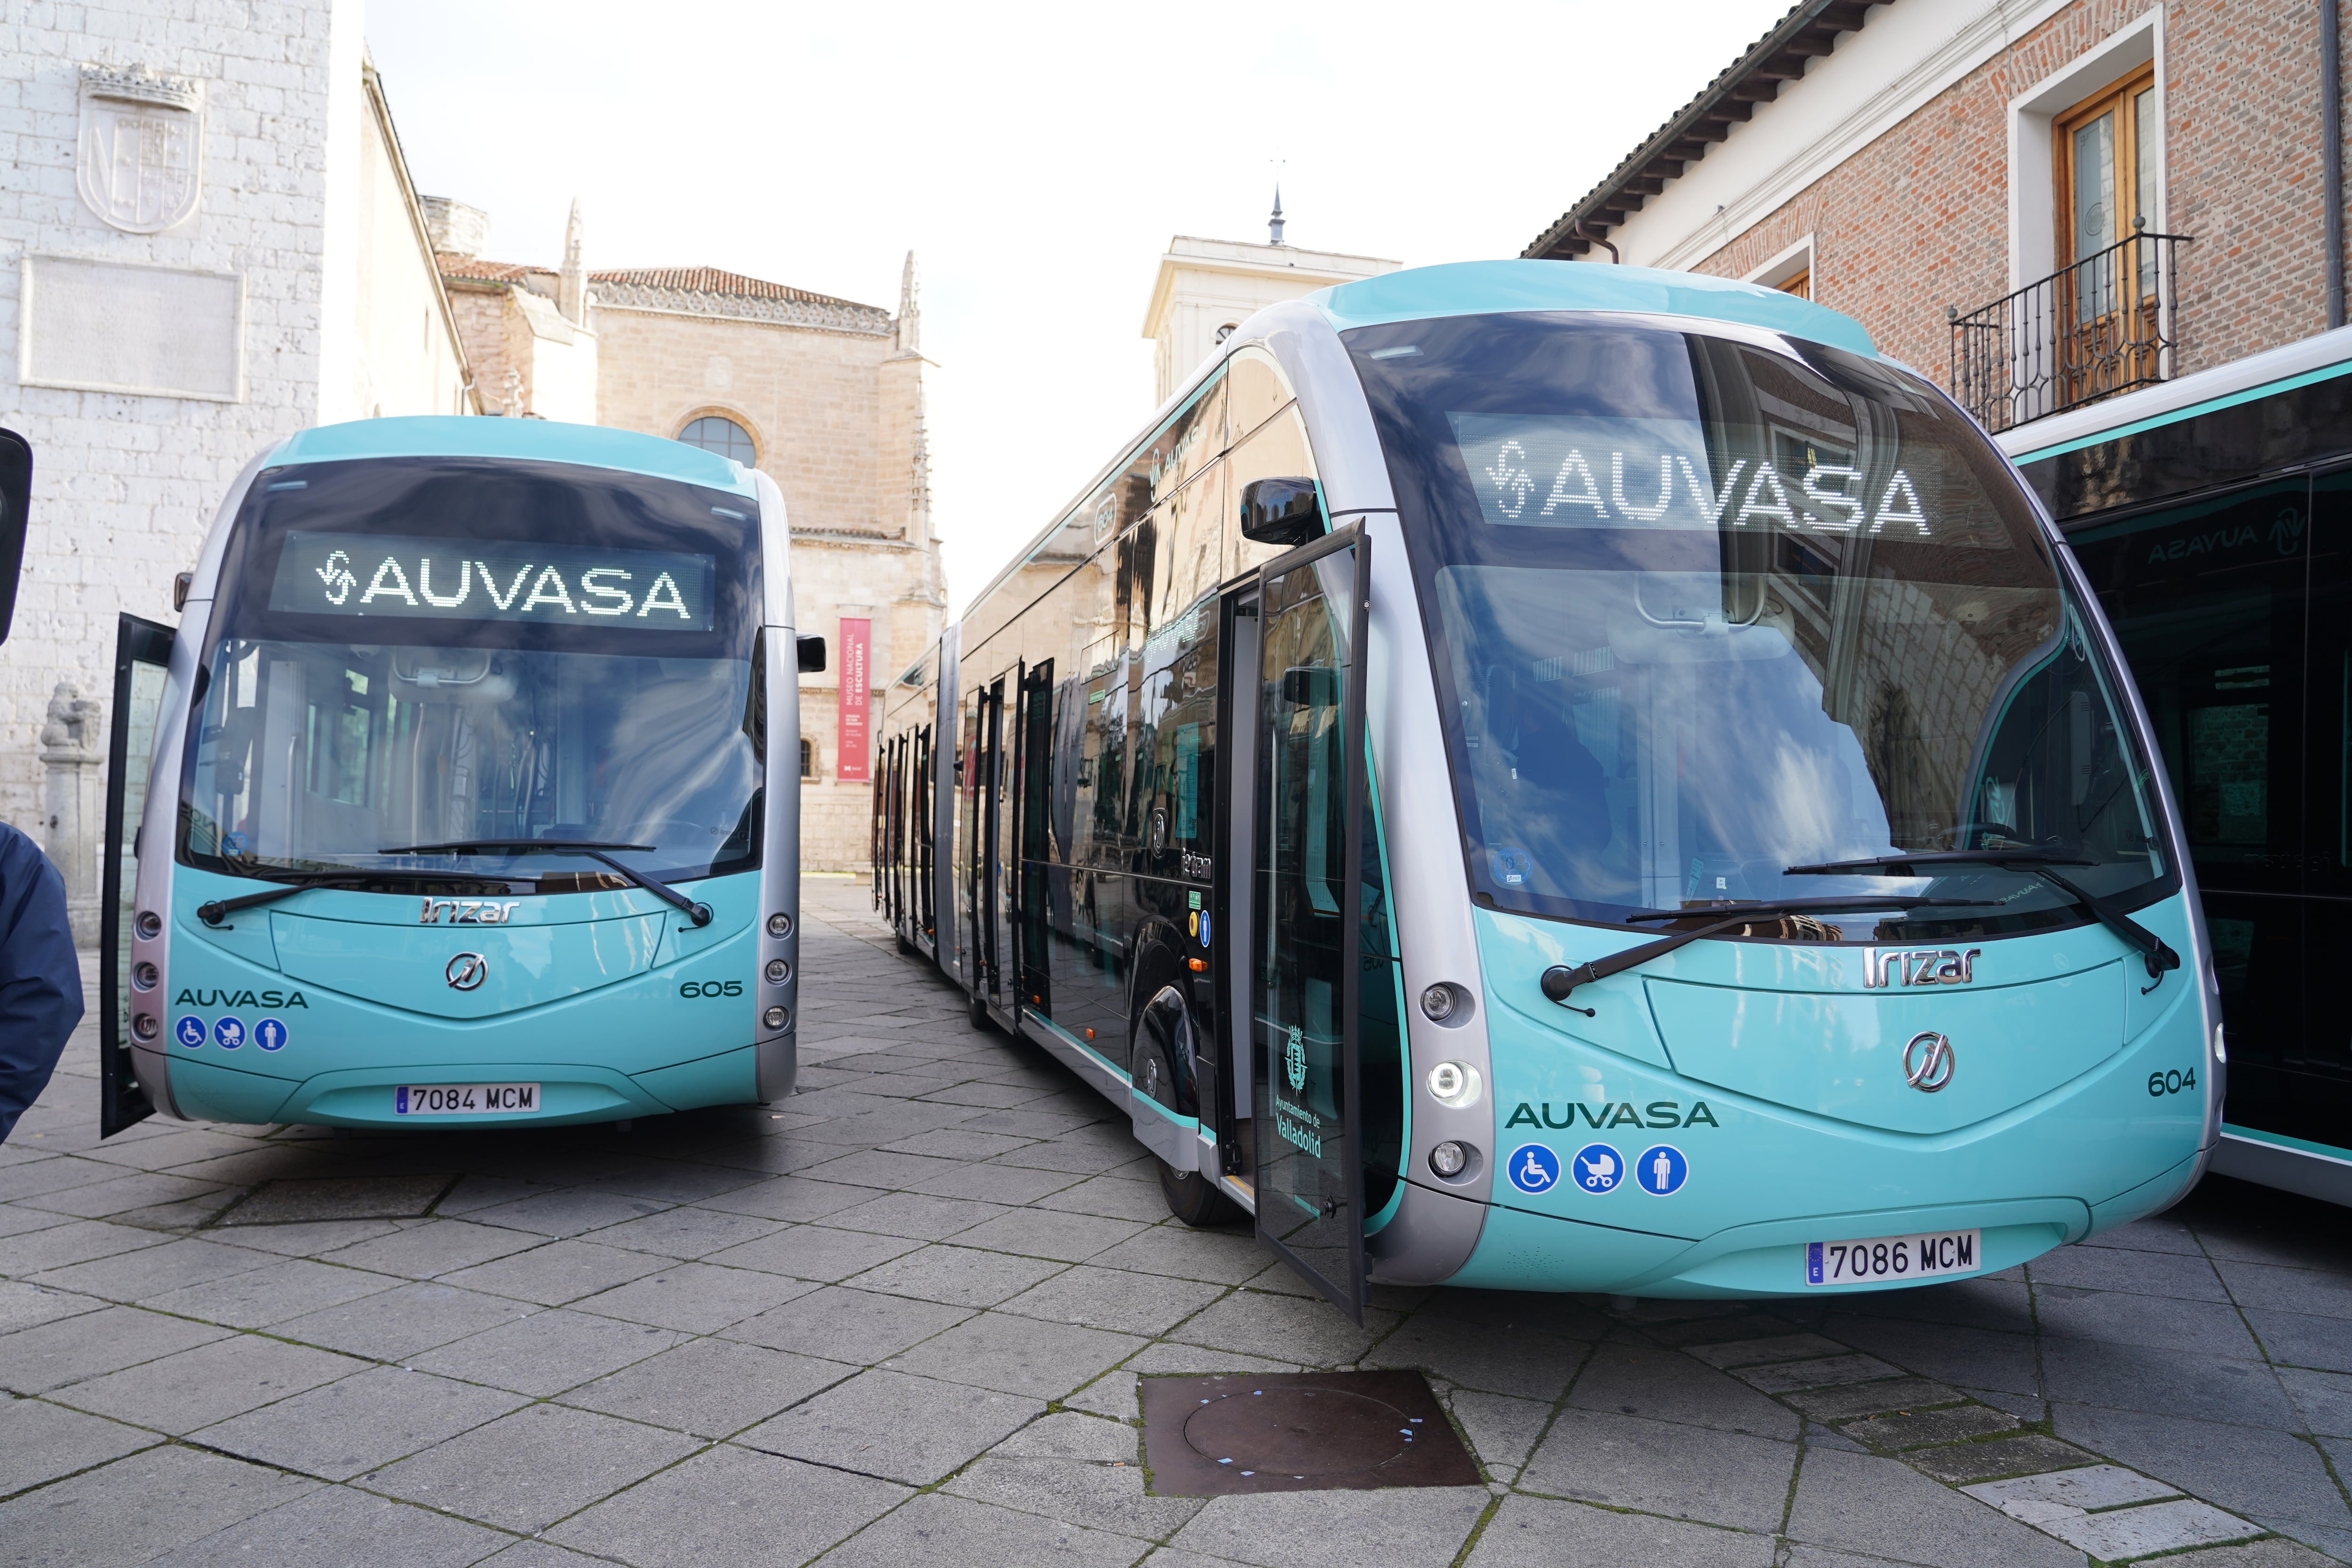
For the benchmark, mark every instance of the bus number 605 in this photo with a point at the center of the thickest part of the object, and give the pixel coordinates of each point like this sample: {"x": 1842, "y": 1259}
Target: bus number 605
{"x": 711, "y": 988}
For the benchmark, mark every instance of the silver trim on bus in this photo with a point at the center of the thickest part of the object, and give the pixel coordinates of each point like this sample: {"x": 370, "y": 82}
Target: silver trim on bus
{"x": 777, "y": 1057}
{"x": 1435, "y": 1227}
{"x": 157, "y": 830}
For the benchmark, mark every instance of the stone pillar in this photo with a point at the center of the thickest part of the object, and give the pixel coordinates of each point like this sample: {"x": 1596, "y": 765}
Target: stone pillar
{"x": 73, "y": 759}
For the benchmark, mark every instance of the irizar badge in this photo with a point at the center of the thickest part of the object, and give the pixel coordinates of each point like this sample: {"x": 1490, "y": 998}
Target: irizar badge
{"x": 1534, "y": 1169}
{"x": 1598, "y": 1168}
{"x": 1661, "y": 1170}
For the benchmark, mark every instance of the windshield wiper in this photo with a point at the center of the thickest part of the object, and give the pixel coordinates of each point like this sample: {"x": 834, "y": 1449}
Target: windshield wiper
{"x": 2153, "y": 952}
{"x": 1560, "y": 980}
{"x": 699, "y": 914}
{"x": 216, "y": 910}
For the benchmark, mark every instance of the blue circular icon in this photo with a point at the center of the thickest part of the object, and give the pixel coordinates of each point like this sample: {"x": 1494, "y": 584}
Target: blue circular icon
{"x": 1661, "y": 1170}
{"x": 229, "y": 1033}
{"x": 1534, "y": 1168}
{"x": 1598, "y": 1168}
{"x": 189, "y": 1031}
{"x": 270, "y": 1035}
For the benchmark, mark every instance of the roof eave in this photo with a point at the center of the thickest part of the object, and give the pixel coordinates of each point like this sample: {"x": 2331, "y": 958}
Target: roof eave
{"x": 1810, "y": 30}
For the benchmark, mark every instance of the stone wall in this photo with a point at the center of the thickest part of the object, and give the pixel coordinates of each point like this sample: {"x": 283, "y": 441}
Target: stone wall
{"x": 124, "y": 485}
{"x": 837, "y": 420}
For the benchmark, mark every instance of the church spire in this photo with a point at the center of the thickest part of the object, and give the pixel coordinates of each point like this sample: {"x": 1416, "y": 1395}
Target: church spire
{"x": 1274, "y": 224}
{"x": 571, "y": 283}
{"x": 910, "y": 315}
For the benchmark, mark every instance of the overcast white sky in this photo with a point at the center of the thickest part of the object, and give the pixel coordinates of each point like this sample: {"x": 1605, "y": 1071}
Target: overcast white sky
{"x": 1036, "y": 158}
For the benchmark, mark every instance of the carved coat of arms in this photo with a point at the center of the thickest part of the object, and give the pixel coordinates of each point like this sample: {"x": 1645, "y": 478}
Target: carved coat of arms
{"x": 139, "y": 164}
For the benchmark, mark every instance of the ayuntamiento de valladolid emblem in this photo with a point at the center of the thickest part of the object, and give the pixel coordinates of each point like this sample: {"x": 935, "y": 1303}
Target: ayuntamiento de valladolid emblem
{"x": 138, "y": 162}
{"x": 1293, "y": 1060}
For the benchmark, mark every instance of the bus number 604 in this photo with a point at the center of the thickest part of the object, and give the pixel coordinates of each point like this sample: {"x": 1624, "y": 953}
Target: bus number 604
{"x": 711, "y": 988}
{"x": 2160, "y": 1084}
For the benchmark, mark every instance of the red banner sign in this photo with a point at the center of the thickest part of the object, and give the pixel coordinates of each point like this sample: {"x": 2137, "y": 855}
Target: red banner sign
{"x": 852, "y": 741}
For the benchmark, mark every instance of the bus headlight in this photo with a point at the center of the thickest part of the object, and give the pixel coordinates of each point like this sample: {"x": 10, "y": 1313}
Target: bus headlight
{"x": 149, "y": 925}
{"x": 777, "y": 971}
{"x": 776, "y": 1017}
{"x": 780, "y": 925}
{"x": 1449, "y": 1158}
{"x": 1456, "y": 1084}
{"x": 144, "y": 1026}
{"x": 144, "y": 975}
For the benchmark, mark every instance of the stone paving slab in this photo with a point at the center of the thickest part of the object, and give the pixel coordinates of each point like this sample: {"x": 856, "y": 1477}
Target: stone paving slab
{"x": 903, "y": 1317}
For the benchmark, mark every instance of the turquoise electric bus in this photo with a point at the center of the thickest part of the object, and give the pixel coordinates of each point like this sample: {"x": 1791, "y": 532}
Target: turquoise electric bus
{"x": 1571, "y": 777}
{"x": 450, "y": 802}
{"x": 2214, "y": 516}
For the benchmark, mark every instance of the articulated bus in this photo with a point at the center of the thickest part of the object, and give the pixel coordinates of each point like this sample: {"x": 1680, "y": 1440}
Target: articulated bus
{"x": 2214, "y": 516}
{"x": 451, "y": 801}
{"x": 1570, "y": 777}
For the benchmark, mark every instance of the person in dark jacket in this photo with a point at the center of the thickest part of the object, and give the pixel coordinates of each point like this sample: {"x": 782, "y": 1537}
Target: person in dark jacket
{"x": 40, "y": 982}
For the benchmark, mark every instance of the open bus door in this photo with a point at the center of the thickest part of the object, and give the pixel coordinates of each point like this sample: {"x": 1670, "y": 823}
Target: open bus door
{"x": 1306, "y": 880}
{"x": 142, "y": 650}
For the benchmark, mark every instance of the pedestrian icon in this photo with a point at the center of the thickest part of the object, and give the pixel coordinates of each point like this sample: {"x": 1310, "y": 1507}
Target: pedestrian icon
{"x": 1598, "y": 1168}
{"x": 1661, "y": 1170}
{"x": 229, "y": 1033}
{"x": 189, "y": 1031}
{"x": 1534, "y": 1169}
{"x": 270, "y": 1035}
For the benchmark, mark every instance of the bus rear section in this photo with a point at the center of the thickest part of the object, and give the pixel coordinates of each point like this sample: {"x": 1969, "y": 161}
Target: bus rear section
{"x": 458, "y": 804}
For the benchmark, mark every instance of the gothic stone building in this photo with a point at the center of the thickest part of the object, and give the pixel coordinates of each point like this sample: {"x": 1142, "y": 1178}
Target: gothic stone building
{"x": 822, "y": 394}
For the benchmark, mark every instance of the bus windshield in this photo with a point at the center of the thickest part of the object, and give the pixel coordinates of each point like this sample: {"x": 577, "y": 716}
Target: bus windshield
{"x": 429, "y": 651}
{"x": 1706, "y": 608}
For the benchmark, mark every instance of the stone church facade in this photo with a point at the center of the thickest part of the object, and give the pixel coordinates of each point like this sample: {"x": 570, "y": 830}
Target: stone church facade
{"x": 822, "y": 394}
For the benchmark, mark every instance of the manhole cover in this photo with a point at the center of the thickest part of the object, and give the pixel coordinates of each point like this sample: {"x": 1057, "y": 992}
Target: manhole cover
{"x": 1211, "y": 1437}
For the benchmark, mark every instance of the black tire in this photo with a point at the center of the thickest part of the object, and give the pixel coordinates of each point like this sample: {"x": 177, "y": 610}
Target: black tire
{"x": 976, "y": 1009}
{"x": 1194, "y": 1199}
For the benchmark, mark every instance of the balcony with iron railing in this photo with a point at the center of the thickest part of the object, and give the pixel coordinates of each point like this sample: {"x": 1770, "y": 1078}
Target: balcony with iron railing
{"x": 2105, "y": 325}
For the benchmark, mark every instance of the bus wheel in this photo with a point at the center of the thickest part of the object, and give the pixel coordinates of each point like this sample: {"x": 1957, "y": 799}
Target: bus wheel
{"x": 976, "y": 1009}
{"x": 1195, "y": 1200}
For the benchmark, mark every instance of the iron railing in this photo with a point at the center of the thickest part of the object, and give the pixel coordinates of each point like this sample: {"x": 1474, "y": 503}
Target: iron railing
{"x": 2103, "y": 326}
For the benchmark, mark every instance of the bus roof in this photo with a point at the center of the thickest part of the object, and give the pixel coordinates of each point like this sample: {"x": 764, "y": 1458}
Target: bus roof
{"x": 542, "y": 441}
{"x": 1482, "y": 287}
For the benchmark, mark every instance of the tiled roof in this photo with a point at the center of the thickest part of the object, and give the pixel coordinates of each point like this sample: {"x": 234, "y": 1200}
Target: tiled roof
{"x": 1810, "y": 28}
{"x": 709, "y": 291}
{"x": 481, "y": 271}
{"x": 711, "y": 281}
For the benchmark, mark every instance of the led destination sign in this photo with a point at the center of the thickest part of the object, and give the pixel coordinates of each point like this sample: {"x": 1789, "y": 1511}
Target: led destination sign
{"x": 461, "y": 580}
{"x": 1570, "y": 472}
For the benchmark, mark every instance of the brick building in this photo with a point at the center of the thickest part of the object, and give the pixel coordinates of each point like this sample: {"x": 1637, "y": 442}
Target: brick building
{"x": 824, "y": 396}
{"x": 2114, "y": 229}
{"x": 1954, "y": 174}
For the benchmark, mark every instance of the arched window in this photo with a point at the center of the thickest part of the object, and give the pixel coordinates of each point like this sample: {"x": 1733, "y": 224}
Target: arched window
{"x": 808, "y": 758}
{"x": 717, "y": 433}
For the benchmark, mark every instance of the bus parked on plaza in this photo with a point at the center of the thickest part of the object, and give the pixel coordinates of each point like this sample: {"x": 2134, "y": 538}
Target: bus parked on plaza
{"x": 1570, "y": 777}
{"x": 2213, "y": 516}
{"x": 451, "y": 801}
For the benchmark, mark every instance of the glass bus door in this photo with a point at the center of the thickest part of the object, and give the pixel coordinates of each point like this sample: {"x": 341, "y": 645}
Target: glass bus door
{"x": 993, "y": 827}
{"x": 1306, "y": 888}
{"x": 142, "y": 651}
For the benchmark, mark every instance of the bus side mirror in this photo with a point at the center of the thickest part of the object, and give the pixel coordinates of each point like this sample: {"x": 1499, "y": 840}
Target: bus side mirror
{"x": 1281, "y": 511}
{"x": 811, "y": 655}
{"x": 15, "y": 513}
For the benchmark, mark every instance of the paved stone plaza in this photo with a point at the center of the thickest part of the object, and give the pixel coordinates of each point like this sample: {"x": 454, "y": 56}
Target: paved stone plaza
{"x": 900, "y": 1320}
